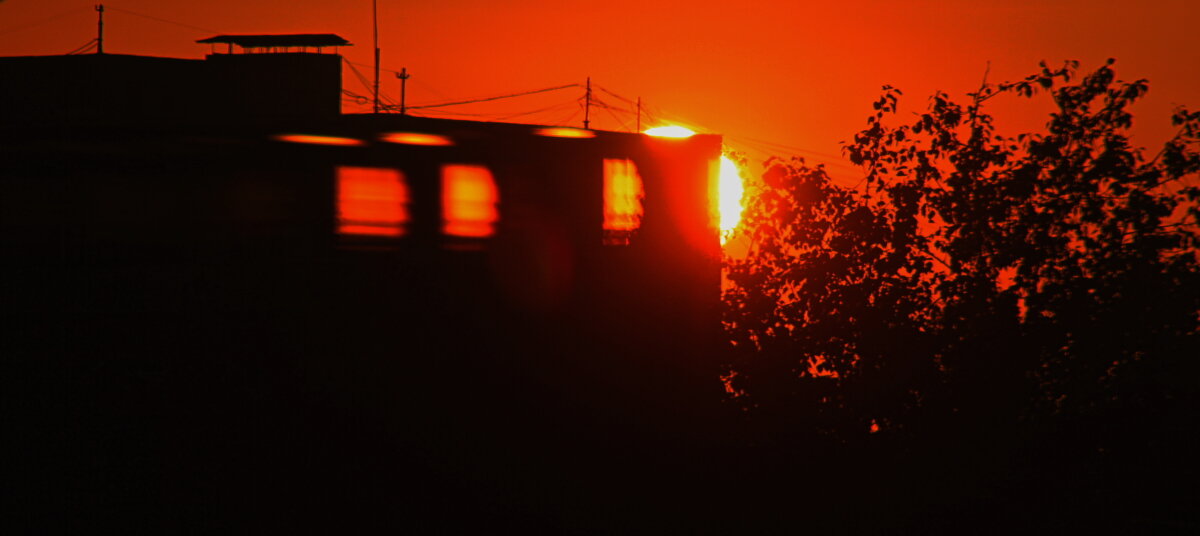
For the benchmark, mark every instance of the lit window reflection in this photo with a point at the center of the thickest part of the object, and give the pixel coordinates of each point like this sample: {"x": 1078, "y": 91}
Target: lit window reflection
{"x": 469, "y": 199}
{"x": 313, "y": 139}
{"x": 416, "y": 138}
{"x": 371, "y": 201}
{"x": 623, "y": 194}
{"x": 564, "y": 132}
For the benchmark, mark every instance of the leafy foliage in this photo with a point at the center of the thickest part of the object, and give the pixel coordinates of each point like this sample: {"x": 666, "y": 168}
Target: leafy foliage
{"x": 974, "y": 280}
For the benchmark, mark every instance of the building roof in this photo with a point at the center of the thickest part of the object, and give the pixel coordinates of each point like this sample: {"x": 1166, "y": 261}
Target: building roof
{"x": 285, "y": 40}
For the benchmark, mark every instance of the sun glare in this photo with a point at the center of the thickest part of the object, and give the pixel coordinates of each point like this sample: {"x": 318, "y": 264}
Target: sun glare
{"x": 730, "y": 191}
{"x": 670, "y": 132}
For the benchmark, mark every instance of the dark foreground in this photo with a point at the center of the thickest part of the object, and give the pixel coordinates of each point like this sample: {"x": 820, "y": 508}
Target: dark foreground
{"x": 214, "y": 388}
{"x": 204, "y": 422}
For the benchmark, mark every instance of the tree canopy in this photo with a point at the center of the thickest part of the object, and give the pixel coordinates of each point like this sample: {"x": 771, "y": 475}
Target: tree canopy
{"x": 976, "y": 280}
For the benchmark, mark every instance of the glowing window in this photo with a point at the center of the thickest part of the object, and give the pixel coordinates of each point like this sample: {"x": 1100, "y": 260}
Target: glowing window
{"x": 319, "y": 140}
{"x": 371, "y": 201}
{"x": 563, "y": 132}
{"x": 469, "y": 199}
{"x": 416, "y": 138}
{"x": 623, "y": 193}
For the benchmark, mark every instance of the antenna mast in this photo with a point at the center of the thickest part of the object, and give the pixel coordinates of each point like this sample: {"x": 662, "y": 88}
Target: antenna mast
{"x": 587, "y": 107}
{"x": 375, "y": 25}
{"x": 100, "y": 29}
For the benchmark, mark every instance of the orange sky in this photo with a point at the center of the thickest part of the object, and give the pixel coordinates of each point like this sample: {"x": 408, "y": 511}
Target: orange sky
{"x": 797, "y": 74}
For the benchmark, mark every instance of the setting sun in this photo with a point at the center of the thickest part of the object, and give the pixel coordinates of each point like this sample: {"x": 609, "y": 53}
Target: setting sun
{"x": 730, "y": 191}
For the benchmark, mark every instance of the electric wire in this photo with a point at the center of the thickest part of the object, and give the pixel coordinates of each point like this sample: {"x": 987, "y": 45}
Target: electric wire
{"x": 836, "y": 168}
{"x": 426, "y": 87}
{"x": 570, "y": 118}
{"x": 497, "y": 97}
{"x": 162, "y": 20}
{"x": 83, "y": 48}
{"x": 547, "y": 109}
{"x": 40, "y": 22}
{"x": 764, "y": 147}
{"x": 626, "y": 99}
{"x": 652, "y": 114}
{"x": 619, "y": 121}
{"x": 501, "y": 116}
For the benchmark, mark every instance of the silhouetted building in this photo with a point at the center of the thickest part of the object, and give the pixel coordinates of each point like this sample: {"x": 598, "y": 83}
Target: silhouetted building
{"x": 207, "y": 261}
{"x": 119, "y": 88}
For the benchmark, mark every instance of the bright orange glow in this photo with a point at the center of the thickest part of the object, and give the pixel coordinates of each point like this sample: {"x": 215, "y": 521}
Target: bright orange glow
{"x": 670, "y": 132}
{"x": 319, "y": 140}
{"x": 730, "y": 191}
{"x": 623, "y": 194}
{"x": 563, "y": 132}
{"x": 469, "y": 198}
{"x": 371, "y": 201}
{"x": 416, "y": 138}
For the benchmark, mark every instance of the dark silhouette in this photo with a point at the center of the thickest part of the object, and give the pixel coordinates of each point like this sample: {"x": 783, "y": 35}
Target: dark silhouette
{"x": 215, "y": 319}
{"x": 224, "y": 88}
{"x": 991, "y": 327}
{"x": 226, "y": 305}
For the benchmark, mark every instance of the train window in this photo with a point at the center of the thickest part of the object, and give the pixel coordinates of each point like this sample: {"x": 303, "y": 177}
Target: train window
{"x": 371, "y": 201}
{"x": 469, "y": 201}
{"x": 623, "y": 194}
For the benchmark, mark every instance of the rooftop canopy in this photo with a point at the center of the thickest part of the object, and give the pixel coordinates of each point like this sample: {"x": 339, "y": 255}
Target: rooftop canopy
{"x": 273, "y": 41}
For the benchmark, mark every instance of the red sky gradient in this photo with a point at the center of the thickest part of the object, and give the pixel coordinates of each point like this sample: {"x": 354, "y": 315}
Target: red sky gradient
{"x": 797, "y": 74}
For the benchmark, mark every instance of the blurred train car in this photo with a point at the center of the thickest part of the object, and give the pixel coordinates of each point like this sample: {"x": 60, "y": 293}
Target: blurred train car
{"x": 219, "y": 315}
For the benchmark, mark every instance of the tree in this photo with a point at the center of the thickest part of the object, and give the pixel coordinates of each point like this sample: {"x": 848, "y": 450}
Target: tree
{"x": 975, "y": 281}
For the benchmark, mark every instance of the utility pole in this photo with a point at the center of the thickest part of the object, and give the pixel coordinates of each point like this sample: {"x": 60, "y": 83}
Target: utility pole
{"x": 375, "y": 25}
{"x": 403, "y": 76}
{"x": 100, "y": 29}
{"x": 587, "y": 106}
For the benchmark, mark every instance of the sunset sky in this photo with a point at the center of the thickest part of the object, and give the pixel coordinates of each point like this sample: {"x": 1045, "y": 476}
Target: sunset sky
{"x": 774, "y": 77}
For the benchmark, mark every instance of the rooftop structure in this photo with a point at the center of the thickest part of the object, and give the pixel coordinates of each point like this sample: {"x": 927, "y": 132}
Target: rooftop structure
{"x": 121, "y": 88}
{"x": 284, "y": 42}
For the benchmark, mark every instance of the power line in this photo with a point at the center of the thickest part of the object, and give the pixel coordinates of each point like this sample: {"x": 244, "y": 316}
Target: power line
{"x": 165, "y": 21}
{"x": 501, "y": 116}
{"x": 88, "y": 46}
{"x": 553, "y": 108}
{"x": 601, "y": 104}
{"x": 570, "y": 119}
{"x": 626, "y": 99}
{"x": 361, "y": 78}
{"x": 619, "y": 121}
{"x": 788, "y": 147}
{"x": 498, "y": 97}
{"x": 40, "y": 22}
{"x": 372, "y": 66}
{"x": 428, "y": 88}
